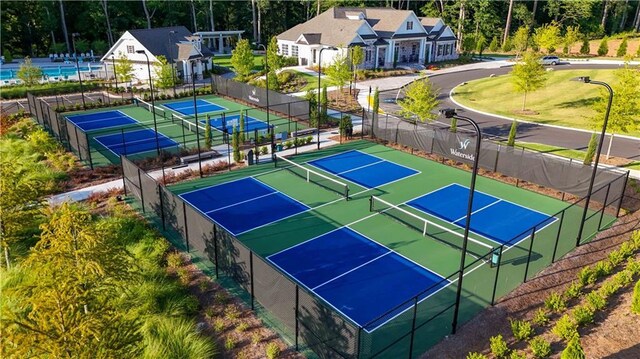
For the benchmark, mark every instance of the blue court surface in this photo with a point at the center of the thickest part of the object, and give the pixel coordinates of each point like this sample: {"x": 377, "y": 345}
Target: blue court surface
{"x": 101, "y": 120}
{"x": 228, "y": 122}
{"x": 364, "y": 169}
{"x": 243, "y": 205}
{"x": 135, "y": 142}
{"x": 496, "y": 219}
{"x": 362, "y": 279}
{"x": 186, "y": 107}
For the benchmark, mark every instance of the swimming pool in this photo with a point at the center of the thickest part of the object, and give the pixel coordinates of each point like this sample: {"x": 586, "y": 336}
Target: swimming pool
{"x": 50, "y": 71}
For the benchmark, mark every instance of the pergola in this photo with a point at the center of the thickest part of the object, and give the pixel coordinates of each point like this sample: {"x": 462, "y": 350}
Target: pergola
{"x": 220, "y": 42}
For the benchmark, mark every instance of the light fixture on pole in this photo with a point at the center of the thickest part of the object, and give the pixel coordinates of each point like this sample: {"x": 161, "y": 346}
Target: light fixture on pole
{"x": 266, "y": 65}
{"x": 153, "y": 103}
{"x": 173, "y": 70}
{"x": 588, "y": 80}
{"x": 75, "y": 56}
{"x": 319, "y": 73}
{"x": 451, "y": 113}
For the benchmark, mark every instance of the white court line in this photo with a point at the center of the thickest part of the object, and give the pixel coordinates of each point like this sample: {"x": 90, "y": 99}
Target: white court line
{"x": 241, "y": 202}
{"x": 351, "y": 270}
{"x": 497, "y": 200}
{"x": 360, "y": 167}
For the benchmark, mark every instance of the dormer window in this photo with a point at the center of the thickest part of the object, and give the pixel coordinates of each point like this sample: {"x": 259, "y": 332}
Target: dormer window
{"x": 409, "y": 25}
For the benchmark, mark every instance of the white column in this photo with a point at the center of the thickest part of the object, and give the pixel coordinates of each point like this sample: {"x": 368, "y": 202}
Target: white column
{"x": 220, "y": 44}
{"x": 421, "y": 51}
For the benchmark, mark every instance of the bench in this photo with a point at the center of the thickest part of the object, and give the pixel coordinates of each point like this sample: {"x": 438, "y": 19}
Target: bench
{"x": 203, "y": 156}
{"x": 306, "y": 131}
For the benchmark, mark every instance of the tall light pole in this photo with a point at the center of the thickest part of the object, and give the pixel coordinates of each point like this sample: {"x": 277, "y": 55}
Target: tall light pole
{"x": 75, "y": 56}
{"x": 173, "y": 70}
{"x": 319, "y": 73}
{"x": 115, "y": 75}
{"x": 587, "y": 80}
{"x": 266, "y": 65}
{"x": 153, "y": 103}
{"x": 451, "y": 113}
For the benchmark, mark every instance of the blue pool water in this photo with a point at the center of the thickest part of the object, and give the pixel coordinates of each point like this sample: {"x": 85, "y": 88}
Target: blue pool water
{"x": 11, "y": 74}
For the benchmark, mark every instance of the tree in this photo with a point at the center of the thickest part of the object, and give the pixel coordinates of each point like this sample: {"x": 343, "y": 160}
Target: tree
{"x": 241, "y": 129}
{"x": 421, "y": 98}
{"x": 357, "y": 57}
{"x": 547, "y": 36}
{"x": 571, "y": 35}
{"x": 493, "y": 46}
{"x": 625, "y": 108}
{"x": 585, "y": 49}
{"x": 481, "y": 43}
{"x": 64, "y": 25}
{"x": 345, "y": 126}
{"x": 573, "y": 350}
{"x": 339, "y": 71}
{"x": 274, "y": 60}
{"x": 105, "y": 9}
{"x": 124, "y": 68}
{"x": 208, "y": 141}
{"x": 164, "y": 73}
{"x": 603, "y": 49}
{"x": 520, "y": 40}
{"x": 235, "y": 144}
{"x": 511, "y": 141}
{"x": 507, "y": 26}
{"x": 324, "y": 103}
{"x": 622, "y": 50}
{"x": 591, "y": 150}
{"x": 313, "y": 107}
{"x": 62, "y": 307}
{"x": 507, "y": 45}
{"x": 242, "y": 59}
{"x": 29, "y": 74}
{"x": 528, "y": 75}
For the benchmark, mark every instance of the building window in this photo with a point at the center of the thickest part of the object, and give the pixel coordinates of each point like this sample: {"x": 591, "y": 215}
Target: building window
{"x": 285, "y": 49}
{"x": 439, "y": 50}
{"x": 294, "y": 50}
{"x": 130, "y": 49}
{"x": 368, "y": 55}
{"x": 409, "y": 25}
{"x": 414, "y": 49}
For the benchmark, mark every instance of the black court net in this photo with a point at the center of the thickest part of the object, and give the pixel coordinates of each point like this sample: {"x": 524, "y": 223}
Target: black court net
{"x": 313, "y": 176}
{"x": 436, "y": 231}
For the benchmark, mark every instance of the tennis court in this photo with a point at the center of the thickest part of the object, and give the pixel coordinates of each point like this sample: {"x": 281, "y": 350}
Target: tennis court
{"x": 186, "y": 107}
{"x": 101, "y": 120}
{"x": 134, "y": 142}
{"x": 233, "y": 121}
{"x": 375, "y": 236}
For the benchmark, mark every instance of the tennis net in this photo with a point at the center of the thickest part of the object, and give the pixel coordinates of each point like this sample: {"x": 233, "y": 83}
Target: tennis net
{"x": 436, "y": 231}
{"x": 151, "y": 108}
{"x": 313, "y": 176}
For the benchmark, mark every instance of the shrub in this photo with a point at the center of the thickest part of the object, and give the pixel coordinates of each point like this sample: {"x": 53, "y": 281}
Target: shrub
{"x": 498, "y": 346}
{"x": 521, "y": 329}
{"x": 603, "y": 49}
{"x": 602, "y": 269}
{"x": 608, "y": 288}
{"x": 596, "y": 301}
{"x": 232, "y": 312}
{"x": 635, "y": 303}
{"x": 616, "y": 257}
{"x": 493, "y": 46}
{"x": 540, "y": 347}
{"x": 174, "y": 260}
{"x": 555, "y": 302}
{"x": 220, "y": 298}
{"x": 288, "y": 144}
{"x": 565, "y": 328}
{"x": 587, "y": 276}
{"x": 175, "y": 338}
{"x": 573, "y": 350}
{"x": 540, "y": 317}
{"x": 583, "y": 315}
{"x": 507, "y": 46}
{"x": 309, "y": 139}
{"x": 184, "y": 275}
{"x": 264, "y": 150}
{"x": 517, "y": 355}
{"x": 218, "y": 325}
{"x": 573, "y": 291}
{"x": 623, "y": 278}
{"x": 242, "y": 327}
{"x": 273, "y": 350}
{"x": 476, "y": 356}
{"x": 256, "y": 338}
{"x": 622, "y": 49}
{"x": 229, "y": 344}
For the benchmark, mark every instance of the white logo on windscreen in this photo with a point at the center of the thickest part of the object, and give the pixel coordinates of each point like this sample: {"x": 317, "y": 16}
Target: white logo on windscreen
{"x": 464, "y": 144}
{"x": 253, "y": 97}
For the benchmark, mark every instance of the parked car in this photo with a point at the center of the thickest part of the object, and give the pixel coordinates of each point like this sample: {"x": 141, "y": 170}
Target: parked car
{"x": 550, "y": 60}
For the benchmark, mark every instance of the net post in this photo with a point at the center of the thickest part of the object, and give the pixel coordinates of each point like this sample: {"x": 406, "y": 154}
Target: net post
{"x": 526, "y": 268}
{"x": 186, "y": 226}
{"x": 495, "y": 282}
{"x": 296, "y": 315}
{"x": 624, "y": 185}
{"x": 424, "y": 230}
{"x": 371, "y": 204}
{"x": 555, "y": 246}
{"x": 604, "y": 206}
{"x": 413, "y": 325}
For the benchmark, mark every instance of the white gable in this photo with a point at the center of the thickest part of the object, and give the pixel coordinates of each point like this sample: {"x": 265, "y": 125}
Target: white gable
{"x": 439, "y": 24}
{"x": 365, "y": 29}
{"x": 411, "y": 25}
{"x": 447, "y": 32}
{"x": 127, "y": 45}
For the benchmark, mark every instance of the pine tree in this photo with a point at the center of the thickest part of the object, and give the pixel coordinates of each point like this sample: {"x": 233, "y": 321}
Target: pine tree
{"x": 493, "y": 46}
{"x": 454, "y": 125}
{"x": 242, "y": 127}
{"x": 207, "y": 134}
{"x": 591, "y": 150}
{"x": 585, "y": 49}
{"x": 511, "y": 141}
{"x": 622, "y": 50}
{"x": 235, "y": 144}
{"x": 324, "y": 103}
{"x": 603, "y": 49}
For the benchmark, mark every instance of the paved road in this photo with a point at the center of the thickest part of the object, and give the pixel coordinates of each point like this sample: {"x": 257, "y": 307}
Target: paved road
{"x": 568, "y": 138}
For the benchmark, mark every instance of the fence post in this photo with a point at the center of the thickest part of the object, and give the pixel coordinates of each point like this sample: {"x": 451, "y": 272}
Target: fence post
{"x": 555, "y": 247}
{"x": 296, "y": 314}
{"x": 413, "y": 325}
{"x": 141, "y": 191}
{"x": 526, "y": 268}
{"x": 495, "y": 282}
{"x": 75, "y": 130}
{"x": 626, "y": 179}
{"x": 164, "y": 228}
{"x": 215, "y": 249}
{"x": 124, "y": 180}
{"x": 495, "y": 165}
{"x": 251, "y": 278}
{"x": 186, "y": 226}
{"x": 86, "y": 136}
{"x": 604, "y": 205}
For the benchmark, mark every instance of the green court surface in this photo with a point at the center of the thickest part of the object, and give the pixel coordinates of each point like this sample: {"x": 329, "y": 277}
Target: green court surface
{"x": 483, "y": 282}
{"x": 177, "y": 127}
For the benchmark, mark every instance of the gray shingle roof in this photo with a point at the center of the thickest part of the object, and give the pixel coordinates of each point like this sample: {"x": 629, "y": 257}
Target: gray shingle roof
{"x": 160, "y": 41}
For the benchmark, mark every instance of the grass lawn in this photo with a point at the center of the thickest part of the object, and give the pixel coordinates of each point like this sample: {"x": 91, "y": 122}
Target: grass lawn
{"x": 312, "y": 81}
{"x": 561, "y": 102}
{"x": 225, "y": 61}
{"x": 568, "y": 153}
